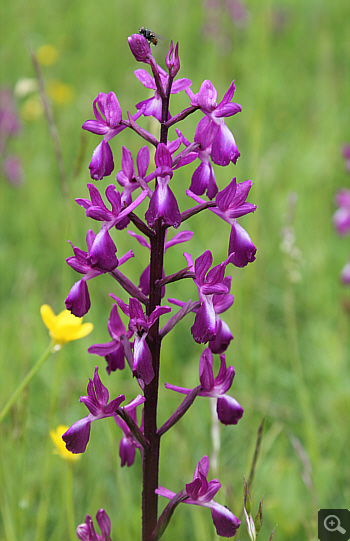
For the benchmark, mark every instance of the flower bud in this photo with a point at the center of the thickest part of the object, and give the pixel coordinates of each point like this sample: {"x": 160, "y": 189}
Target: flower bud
{"x": 172, "y": 60}
{"x": 140, "y": 48}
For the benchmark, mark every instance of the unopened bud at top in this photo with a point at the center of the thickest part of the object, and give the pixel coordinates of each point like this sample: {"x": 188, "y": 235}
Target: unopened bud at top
{"x": 140, "y": 48}
{"x": 172, "y": 60}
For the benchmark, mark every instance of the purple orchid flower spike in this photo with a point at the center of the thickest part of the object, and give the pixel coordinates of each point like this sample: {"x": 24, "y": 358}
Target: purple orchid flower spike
{"x": 228, "y": 409}
{"x": 224, "y": 149}
{"x": 153, "y": 106}
{"x": 99, "y": 259}
{"x": 97, "y": 210}
{"x": 163, "y": 203}
{"x": 208, "y": 284}
{"x": 77, "y": 436}
{"x": 140, "y": 324}
{"x": 127, "y": 177}
{"x": 86, "y": 531}
{"x": 113, "y": 351}
{"x": 201, "y": 492}
{"x": 128, "y": 443}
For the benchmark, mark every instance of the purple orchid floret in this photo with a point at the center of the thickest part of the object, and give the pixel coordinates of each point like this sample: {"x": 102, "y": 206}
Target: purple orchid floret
{"x": 231, "y": 204}
{"x": 128, "y": 443}
{"x": 153, "y": 106}
{"x": 99, "y": 259}
{"x": 108, "y": 116}
{"x": 86, "y": 531}
{"x": 241, "y": 246}
{"x": 228, "y": 409}
{"x": 127, "y": 177}
{"x": 203, "y": 178}
{"x": 110, "y": 109}
{"x": 139, "y": 325}
{"x": 113, "y": 351}
{"x": 108, "y": 125}
{"x": 231, "y": 201}
{"x": 201, "y": 492}
{"x": 224, "y": 149}
{"x": 341, "y": 217}
{"x": 209, "y": 283}
{"x": 223, "y": 335}
{"x": 163, "y": 203}
{"x": 221, "y": 303}
{"x": 102, "y": 163}
{"x": 77, "y": 436}
{"x": 222, "y": 338}
{"x": 78, "y": 299}
{"x": 97, "y": 210}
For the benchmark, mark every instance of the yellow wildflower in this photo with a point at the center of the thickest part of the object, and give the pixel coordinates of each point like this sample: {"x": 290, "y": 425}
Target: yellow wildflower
{"x": 65, "y": 327}
{"x": 60, "y": 93}
{"x": 56, "y": 436}
{"x": 47, "y": 55}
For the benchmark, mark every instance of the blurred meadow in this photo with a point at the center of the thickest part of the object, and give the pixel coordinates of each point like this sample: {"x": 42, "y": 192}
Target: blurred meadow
{"x": 290, "y": 319}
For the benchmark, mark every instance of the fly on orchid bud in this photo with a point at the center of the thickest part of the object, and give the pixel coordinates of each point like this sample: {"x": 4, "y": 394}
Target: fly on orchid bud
{"x": 149, "y": 35}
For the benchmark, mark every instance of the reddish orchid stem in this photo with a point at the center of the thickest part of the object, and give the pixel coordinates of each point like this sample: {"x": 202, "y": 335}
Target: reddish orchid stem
{"x": 151, "y": 455}
{"x": 150, "y": 463}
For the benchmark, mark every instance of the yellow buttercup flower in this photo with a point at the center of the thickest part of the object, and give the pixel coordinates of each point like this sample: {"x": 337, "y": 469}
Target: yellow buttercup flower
{"x": 56, "y": 436}
{"x": 65, "y": 327}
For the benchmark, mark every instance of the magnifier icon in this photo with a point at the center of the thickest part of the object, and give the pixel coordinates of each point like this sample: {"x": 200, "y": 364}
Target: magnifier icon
{"x": 332, "y": 524}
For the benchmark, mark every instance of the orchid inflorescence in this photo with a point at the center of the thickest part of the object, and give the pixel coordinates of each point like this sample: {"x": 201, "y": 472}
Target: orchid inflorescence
{"x": 140, "y": 343}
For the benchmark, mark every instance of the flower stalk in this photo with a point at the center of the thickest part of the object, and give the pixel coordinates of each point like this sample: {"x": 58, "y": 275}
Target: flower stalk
{"x": 150, "y": 466}
{"x": 25, "y": 382}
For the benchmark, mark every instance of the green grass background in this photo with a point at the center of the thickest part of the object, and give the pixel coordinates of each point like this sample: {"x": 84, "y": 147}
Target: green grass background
{"x": 291, "y": 348}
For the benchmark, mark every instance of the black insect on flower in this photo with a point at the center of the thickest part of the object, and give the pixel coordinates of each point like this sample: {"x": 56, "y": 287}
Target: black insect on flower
{"x": 149, "y": 35}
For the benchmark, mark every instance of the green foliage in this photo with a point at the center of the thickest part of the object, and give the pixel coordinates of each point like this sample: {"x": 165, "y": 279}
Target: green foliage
{"x": 291, "y": 338}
